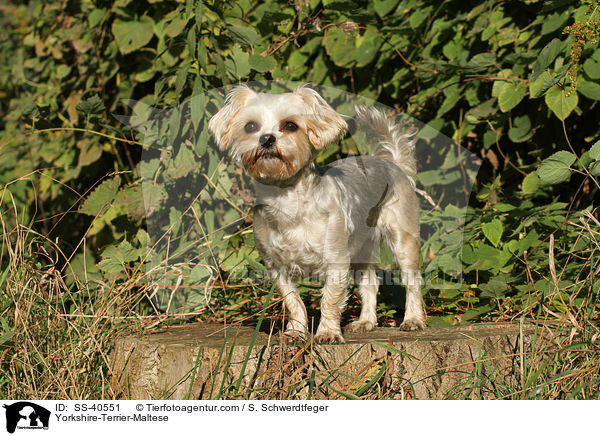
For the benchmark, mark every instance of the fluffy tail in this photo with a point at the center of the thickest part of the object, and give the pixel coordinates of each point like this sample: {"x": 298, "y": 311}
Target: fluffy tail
{"x": 393, "y": 141}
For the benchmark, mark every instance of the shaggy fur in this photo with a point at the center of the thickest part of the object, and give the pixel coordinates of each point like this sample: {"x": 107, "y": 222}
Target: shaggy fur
{"x": 325, "y": 221}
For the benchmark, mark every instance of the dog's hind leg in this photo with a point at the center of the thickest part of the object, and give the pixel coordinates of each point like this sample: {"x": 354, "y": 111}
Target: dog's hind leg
{"x": 401, "y": 234}
{"x": 406, "y": 250}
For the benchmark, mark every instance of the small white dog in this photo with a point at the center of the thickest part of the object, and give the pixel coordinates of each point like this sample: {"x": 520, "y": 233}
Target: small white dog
{"x": 325, "y": 220}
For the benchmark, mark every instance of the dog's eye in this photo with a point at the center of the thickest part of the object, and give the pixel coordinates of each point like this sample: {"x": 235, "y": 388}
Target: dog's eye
{"x": 251, "y": 127}
{"x": 289, "y": 126}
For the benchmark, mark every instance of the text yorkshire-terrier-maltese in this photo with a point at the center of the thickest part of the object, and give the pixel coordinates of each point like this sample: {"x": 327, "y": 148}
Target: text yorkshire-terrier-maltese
{"x": 326, "y": 221}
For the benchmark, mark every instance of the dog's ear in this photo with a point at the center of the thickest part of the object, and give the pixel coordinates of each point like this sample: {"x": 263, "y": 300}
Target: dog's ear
{"x": 325, "y": 126}
{"x": 220, "y": 125}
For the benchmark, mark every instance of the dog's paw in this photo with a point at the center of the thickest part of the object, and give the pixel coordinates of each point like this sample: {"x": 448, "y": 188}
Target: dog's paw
{"x": 359, "y": 326}
{"x": 412, "y": 324}
{"x": 329, "y": 337}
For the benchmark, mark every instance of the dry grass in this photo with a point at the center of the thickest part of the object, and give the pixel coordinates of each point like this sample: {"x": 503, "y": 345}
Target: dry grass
{"x": 562, "y": 359}
{"x": 55, "y": 339}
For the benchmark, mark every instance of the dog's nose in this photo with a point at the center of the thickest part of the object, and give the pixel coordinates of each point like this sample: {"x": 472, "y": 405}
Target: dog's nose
{"x": 266, "y": 141}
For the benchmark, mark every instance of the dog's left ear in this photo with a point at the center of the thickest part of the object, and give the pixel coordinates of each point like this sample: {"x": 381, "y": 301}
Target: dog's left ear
{"x": 325, "y": 126}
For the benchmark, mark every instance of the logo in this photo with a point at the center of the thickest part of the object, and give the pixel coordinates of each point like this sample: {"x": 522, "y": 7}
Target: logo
{"x": 26, "y": 415}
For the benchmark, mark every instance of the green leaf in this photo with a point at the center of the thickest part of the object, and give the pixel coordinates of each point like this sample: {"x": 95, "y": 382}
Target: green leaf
{"x": 383, "y": 7}
{"x": 181, "y": 78}
{"x": 131, "y": 201}
{"x": 432, "y": 129}
{"x": 183, "y": 163}
{"x": 202, "y": 139}
{"x": 561, "y": 101}
{"x": 537, "y": 87}
{"x": 531, "y": 183}
{"x": 546, "y": 56}
{"x": 588, "y": 88}
{"x": 83, "y": 269}
{"x": 494, "y": 289}
{"x": 531, "y": 239}
{"x": 296, "y": 66}
{"x": 89, "y": 152}
{"x": 154, "y": 196}
{"x": 101, "y": 198}
{"x": 96, "y": 16}
{"x": 546, "y": 80}
{"x": 199, "y": 14}
{"x": 133, "y": 35}
{"x": 419, "y": 16}
{"x": 484, "y": 257}
{"x": 7, "y": 335}
{"x": 452, "y": 50}
{"x": 197, "y": 108}
{"x": 367, "y": 48}
{"x": 493, "y": 231}
{"x": 511, "y": 95}
{"x": 116, "y": 257}
{"x": 277, "y": 16}
{"x": 481, "y": 61}
{"x": 340, "y": 46}
{"x": 174, "y": 125}
{"x": 499, "y": 85}
{"x": 595, "y": 151}
{"x": 472, "y": 314}
{"x": 489, "y": 139}
{"x": 556, "y": 168}
{"x": 554, "y": 21}
{"x": 175, "y": 26}
{"x": 191, "y": 40}
{"x": 91, "y": 106}
{"x": 201, "y": 273}
{"x": 521, "y": 130}
{"x": 319, "y": 70}
{"x": 453, "y": 95}
{"x": 174, "y": 221}
{"x": 483, "y": 110}
{"x": 262, "y": 64}
{"x": 449, "y": 263}
{"x": 234, "y": 262}
{"x": 244, "y": 35}
{"x": 238, "y": 63}
{"x": 592, "y": 66}
{"x": 62, "y": 71}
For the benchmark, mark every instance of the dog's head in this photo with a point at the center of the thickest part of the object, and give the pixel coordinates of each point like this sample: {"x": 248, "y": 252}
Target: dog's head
{"x": 275, "y": 135}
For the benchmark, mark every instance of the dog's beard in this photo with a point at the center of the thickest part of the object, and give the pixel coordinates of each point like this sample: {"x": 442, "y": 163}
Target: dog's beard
{"x": 269, "y": 164}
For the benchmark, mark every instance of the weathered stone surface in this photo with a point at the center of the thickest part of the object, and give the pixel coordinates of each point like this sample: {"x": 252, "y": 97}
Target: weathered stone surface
{"x": 197, "y": 361}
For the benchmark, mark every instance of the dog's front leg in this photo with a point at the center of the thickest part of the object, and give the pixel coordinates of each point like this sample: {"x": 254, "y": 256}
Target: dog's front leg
{"x": 333, "y": 301}
{"x": 368, "y": 285}
{"x": 297, "y": 326}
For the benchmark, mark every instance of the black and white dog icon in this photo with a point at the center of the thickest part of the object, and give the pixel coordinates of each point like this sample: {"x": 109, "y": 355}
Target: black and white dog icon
{"x": 26, "y": 414}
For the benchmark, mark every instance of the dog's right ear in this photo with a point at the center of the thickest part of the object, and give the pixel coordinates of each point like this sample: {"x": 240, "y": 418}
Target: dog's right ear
{"x": 220, "y": 124}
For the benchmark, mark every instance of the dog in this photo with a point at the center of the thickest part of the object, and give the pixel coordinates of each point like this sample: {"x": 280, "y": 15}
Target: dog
{"x": 328, "y": 221}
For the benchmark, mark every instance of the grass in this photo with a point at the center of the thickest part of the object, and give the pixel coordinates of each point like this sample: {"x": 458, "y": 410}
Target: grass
{"x": 56, "y": 339}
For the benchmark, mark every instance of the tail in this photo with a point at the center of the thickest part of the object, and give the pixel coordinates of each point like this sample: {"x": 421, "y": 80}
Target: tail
{"x": 393, "y": 140}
